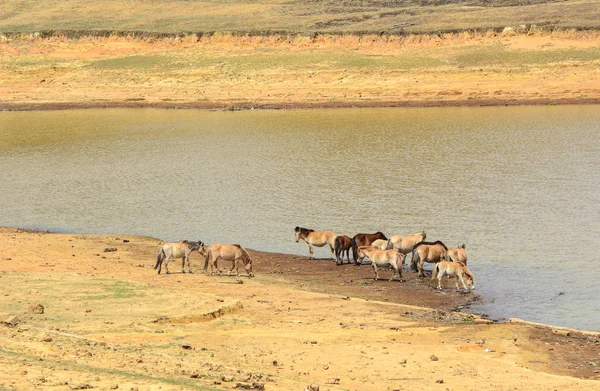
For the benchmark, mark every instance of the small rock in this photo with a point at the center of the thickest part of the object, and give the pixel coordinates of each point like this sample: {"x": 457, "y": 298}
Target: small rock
{"x": 110, "y": 250}
{"x": 227, "y": 378}
{"x": 403, "y": 361}
{"x": 82, "y": 386}
{"x": 312, "y": 387}
{"x": 441, "y": 381}
{"x": 433, "y": 357}
{"x": 47, "y": 339}
{"x": 195, "y": 375}
{"x": 114, "y": 387}
{"x": 9, "y": 320}
{"x": 186, "y": 347}
{"x": 36, "y": 309}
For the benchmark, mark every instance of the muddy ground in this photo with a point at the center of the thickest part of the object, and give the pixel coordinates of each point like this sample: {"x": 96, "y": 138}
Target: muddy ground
{"x": 110, "y": 322}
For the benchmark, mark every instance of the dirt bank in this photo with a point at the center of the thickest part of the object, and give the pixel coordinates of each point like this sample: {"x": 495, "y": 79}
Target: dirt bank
{"x": 109, "y": 322}
{"x": 225, "y": 72}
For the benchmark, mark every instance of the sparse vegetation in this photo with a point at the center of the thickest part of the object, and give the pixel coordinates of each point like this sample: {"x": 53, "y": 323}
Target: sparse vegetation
{"x": 294, "y": 17}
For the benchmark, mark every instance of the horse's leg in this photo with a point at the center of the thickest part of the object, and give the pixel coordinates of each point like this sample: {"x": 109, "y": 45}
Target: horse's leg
{"x": 462, "y": 280}
{"x": 375, "y": 271}
{"x": 166, "y": 261}
{"x": 421, "y": 263}
{"x": 311, "y": 251}
{"x": 183, "y": 259}
{"x": 440, "y": 275}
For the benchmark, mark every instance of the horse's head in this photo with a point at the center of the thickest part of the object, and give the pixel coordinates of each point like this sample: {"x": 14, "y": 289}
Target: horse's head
{"x": 297, "y": 235}
{"x": 464, "y": 246}
{"x": 361, "y": 253}
{"x": 202, "y": 249}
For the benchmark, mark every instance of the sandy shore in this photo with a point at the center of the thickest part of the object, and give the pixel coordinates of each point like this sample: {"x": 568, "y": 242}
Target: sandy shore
{"x": 109, "y": 321}
{"x": 229, "y": 73}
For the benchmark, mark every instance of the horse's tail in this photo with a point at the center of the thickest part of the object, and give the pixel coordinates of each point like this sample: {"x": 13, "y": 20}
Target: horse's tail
{"x": 159, "y": 258}
{"x": 207, "y": 258}
{"x": 414, "y": 260}
{"x": 435, "y": 270}
{"x": 336, "y": 246}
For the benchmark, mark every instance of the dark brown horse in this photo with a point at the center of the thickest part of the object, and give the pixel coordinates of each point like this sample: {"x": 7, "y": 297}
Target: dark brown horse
{"x": 364, "y": 240}
{"x": 342, "y": 243}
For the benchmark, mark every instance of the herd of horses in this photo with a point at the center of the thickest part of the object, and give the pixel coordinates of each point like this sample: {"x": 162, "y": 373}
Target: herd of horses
{"x": 381, "y": 251}
{"x": 391, "y": 253}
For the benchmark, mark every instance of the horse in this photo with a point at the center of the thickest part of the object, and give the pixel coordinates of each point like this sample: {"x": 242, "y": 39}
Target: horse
{"x": 405, "y": 244}
{"x": 457, "y": 254}
{"x": 181, "y": 250}
{"x": 228, "y": 252}
{"x": 381, "y": 244}
{"x": 315, "y": 238}
{"x": 382, "y": 258}
{"x": 342, "y": 243}
{"x": 457, "y": 269}
{"x": 364, "y": 240}
{"x": 431, "y": 252}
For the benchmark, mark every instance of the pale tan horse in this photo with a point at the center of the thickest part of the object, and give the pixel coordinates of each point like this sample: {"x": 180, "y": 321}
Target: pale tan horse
{"x": 382, "y": 258}
{"x": 456, "y": 269}
{"x": 233, "y": 253}
{"x": 181, "y": 250}
{"x": 381, "y": 244}
{"x": 315, "y": 238}
{"x": 431, "y": 252}
{"x": 457, "y": 254}
{"x": 406, "y": 244}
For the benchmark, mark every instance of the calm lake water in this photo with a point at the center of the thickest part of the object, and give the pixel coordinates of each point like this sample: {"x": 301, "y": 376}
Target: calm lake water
{"x": 519, "y": 185}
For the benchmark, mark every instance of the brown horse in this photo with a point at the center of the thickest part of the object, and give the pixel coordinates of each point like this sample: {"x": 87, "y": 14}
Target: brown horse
{"x": 382, "y": 258}
{"x": 364, "y": 240}
{"x": 181, "y": 250}
{"x": 228, "y": 252}
{"x": 405, "y": 244}
{"x": 457, "y": 269}
{"x": 457, "y": 254}
{"x": 431, "y": 252}
{"x": 342, "y": 243}
{"x": 315, "y": 238}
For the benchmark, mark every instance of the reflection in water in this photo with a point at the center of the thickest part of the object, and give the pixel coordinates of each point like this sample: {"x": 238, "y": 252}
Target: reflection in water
{"x": 520, "y": 186}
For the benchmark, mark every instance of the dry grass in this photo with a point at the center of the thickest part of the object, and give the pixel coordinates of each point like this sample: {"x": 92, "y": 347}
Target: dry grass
{"x": 297, "y": 16}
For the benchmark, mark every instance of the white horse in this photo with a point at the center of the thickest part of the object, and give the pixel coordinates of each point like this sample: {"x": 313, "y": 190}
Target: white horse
{"x": 177, "y": 250}
{"x": 382, "y": 258}
{"x": 456, "y": 269}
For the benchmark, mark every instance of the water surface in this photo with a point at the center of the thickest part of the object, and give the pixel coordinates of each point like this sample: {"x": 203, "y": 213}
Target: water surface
{"x": 519, "y": 185}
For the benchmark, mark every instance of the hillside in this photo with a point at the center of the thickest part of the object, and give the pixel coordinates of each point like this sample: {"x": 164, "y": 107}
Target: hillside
{"x": 294, "y": 16}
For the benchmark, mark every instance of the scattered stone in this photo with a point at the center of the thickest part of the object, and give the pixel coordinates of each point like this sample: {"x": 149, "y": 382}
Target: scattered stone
{"x": 403, "y": 361}
{"x": 47, "y": 339}
{"x": 333, "y": 381}
{"x": 433, "y": 357}
{"x": 110, "y": 250}
{"x": 441, "y": 381}
{"x": 250, "y": 386}
{"x": 114, "y": 387}
{"x": 82, "y": 386}
{"x": 195, "y": 375}
{"x": 227, "y": 378}
{"x": 9, "y": 320}
{"x": 325, "y": 367}
{"x": 186, "y": 347}
{"x": 36, "y": 309}
{"x": 275, "y": 363}
{"x": 312, "y": 387}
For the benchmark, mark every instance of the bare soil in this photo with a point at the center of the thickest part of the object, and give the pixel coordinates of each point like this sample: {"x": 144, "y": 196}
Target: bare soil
{"x": 280, "y": 72}
{"x": 110, "y": 322}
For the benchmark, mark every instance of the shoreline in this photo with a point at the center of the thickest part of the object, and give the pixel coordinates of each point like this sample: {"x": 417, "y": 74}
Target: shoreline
{"x": 242, "y": 106}
{"x": 480, "y": 318}
{"x": 89, "y": 309}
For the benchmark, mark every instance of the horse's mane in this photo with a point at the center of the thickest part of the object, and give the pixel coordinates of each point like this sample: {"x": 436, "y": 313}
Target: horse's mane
{"x": 303, "y": 230}
{"x": 431, "y": 244}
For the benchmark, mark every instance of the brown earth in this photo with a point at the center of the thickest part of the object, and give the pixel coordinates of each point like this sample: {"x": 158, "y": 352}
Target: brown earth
{"x": 110, "y": 322}
{"x": 225, "y": 72}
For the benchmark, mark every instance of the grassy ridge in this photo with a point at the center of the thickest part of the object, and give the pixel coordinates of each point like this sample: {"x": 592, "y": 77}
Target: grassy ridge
{"x": 294, "y": 16}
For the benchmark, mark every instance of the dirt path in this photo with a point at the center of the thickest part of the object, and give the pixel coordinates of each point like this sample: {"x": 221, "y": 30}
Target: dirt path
{"x": 110, "y": 322}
